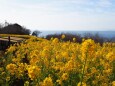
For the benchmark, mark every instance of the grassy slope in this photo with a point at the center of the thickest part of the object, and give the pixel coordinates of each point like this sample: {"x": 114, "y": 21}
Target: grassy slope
{"x": 14, "y": 35}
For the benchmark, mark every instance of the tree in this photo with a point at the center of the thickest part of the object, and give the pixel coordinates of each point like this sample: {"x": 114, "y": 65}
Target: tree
{"x": 14, "y": 29}
{"x": 1, "y": 25}
{"x": 36, "y": 33}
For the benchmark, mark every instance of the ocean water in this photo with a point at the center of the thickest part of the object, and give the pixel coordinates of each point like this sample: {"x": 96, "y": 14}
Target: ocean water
{"x": 107, "y": 34}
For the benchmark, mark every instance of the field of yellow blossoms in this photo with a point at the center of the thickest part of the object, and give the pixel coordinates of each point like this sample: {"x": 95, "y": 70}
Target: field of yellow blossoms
{"x": 41, "y": 62}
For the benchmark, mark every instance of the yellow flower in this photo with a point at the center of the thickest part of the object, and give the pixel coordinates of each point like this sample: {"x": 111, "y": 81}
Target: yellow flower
{"x": 59, "y": 81}
{"x": 113, "y": 83}
{"x": 51, "y": 38}
{"x": 104, "y": 84}
{"x": 63, "y": 36}
{"x": 36, "y": 58}
{"x": 56, "y": 40}
{"x": 20, "y": 70}
{"x": 110, "y": 56}
{"x": 12, "y": 68}
{"x": 83, "y": 40}
{"x": 74, "y": 39}
{"x": 3, "y": 73}
{"x": 26, "y": 83}
{"x": 47, "y": 82}
{"x": 83, "y": 84}
{"x": 33, "y": 72}
{"x": 93, "y": 70}
{"x": 64, "y": 76}
{"x": 65, "y": 54}
{"x": 88, "y": 46}
{"x": 7, "y": 78}
{"x": 70, "y": 66}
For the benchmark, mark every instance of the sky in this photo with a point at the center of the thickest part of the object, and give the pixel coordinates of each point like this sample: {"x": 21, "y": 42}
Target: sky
{"x": 46, "y": 15}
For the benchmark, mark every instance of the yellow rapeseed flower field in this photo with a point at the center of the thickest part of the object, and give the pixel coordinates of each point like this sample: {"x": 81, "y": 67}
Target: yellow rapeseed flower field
{"x": 41, "y": 62}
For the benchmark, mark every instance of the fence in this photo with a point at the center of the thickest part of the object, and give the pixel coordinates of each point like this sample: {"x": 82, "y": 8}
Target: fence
{"x": 5, "y": 42}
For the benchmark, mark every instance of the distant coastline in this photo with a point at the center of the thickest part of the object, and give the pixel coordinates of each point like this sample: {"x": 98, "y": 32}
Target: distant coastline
{"x": 107, "y": 34}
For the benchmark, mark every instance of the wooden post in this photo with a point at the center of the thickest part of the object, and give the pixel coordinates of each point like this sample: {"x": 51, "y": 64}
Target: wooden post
{"x": 0, "y": 45}
{"x": 8, "y": 40}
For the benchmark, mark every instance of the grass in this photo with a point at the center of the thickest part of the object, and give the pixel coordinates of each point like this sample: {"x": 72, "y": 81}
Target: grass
{"x": 14, "y": 35}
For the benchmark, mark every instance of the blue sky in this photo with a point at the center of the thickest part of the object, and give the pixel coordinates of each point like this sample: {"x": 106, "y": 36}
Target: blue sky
{"x": 60, "y": 14}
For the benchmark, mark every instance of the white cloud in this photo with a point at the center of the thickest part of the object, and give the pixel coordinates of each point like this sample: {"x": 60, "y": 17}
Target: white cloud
{"x": 104, "y": 3}
{"x": 58, "y": 15}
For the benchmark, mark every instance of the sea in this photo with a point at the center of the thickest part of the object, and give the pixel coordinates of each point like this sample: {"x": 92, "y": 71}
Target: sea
{"x": 107, "y": 34}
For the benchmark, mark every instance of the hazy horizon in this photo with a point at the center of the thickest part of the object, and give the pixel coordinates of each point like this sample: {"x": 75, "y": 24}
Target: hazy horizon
{"x": 107, "y": 34}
